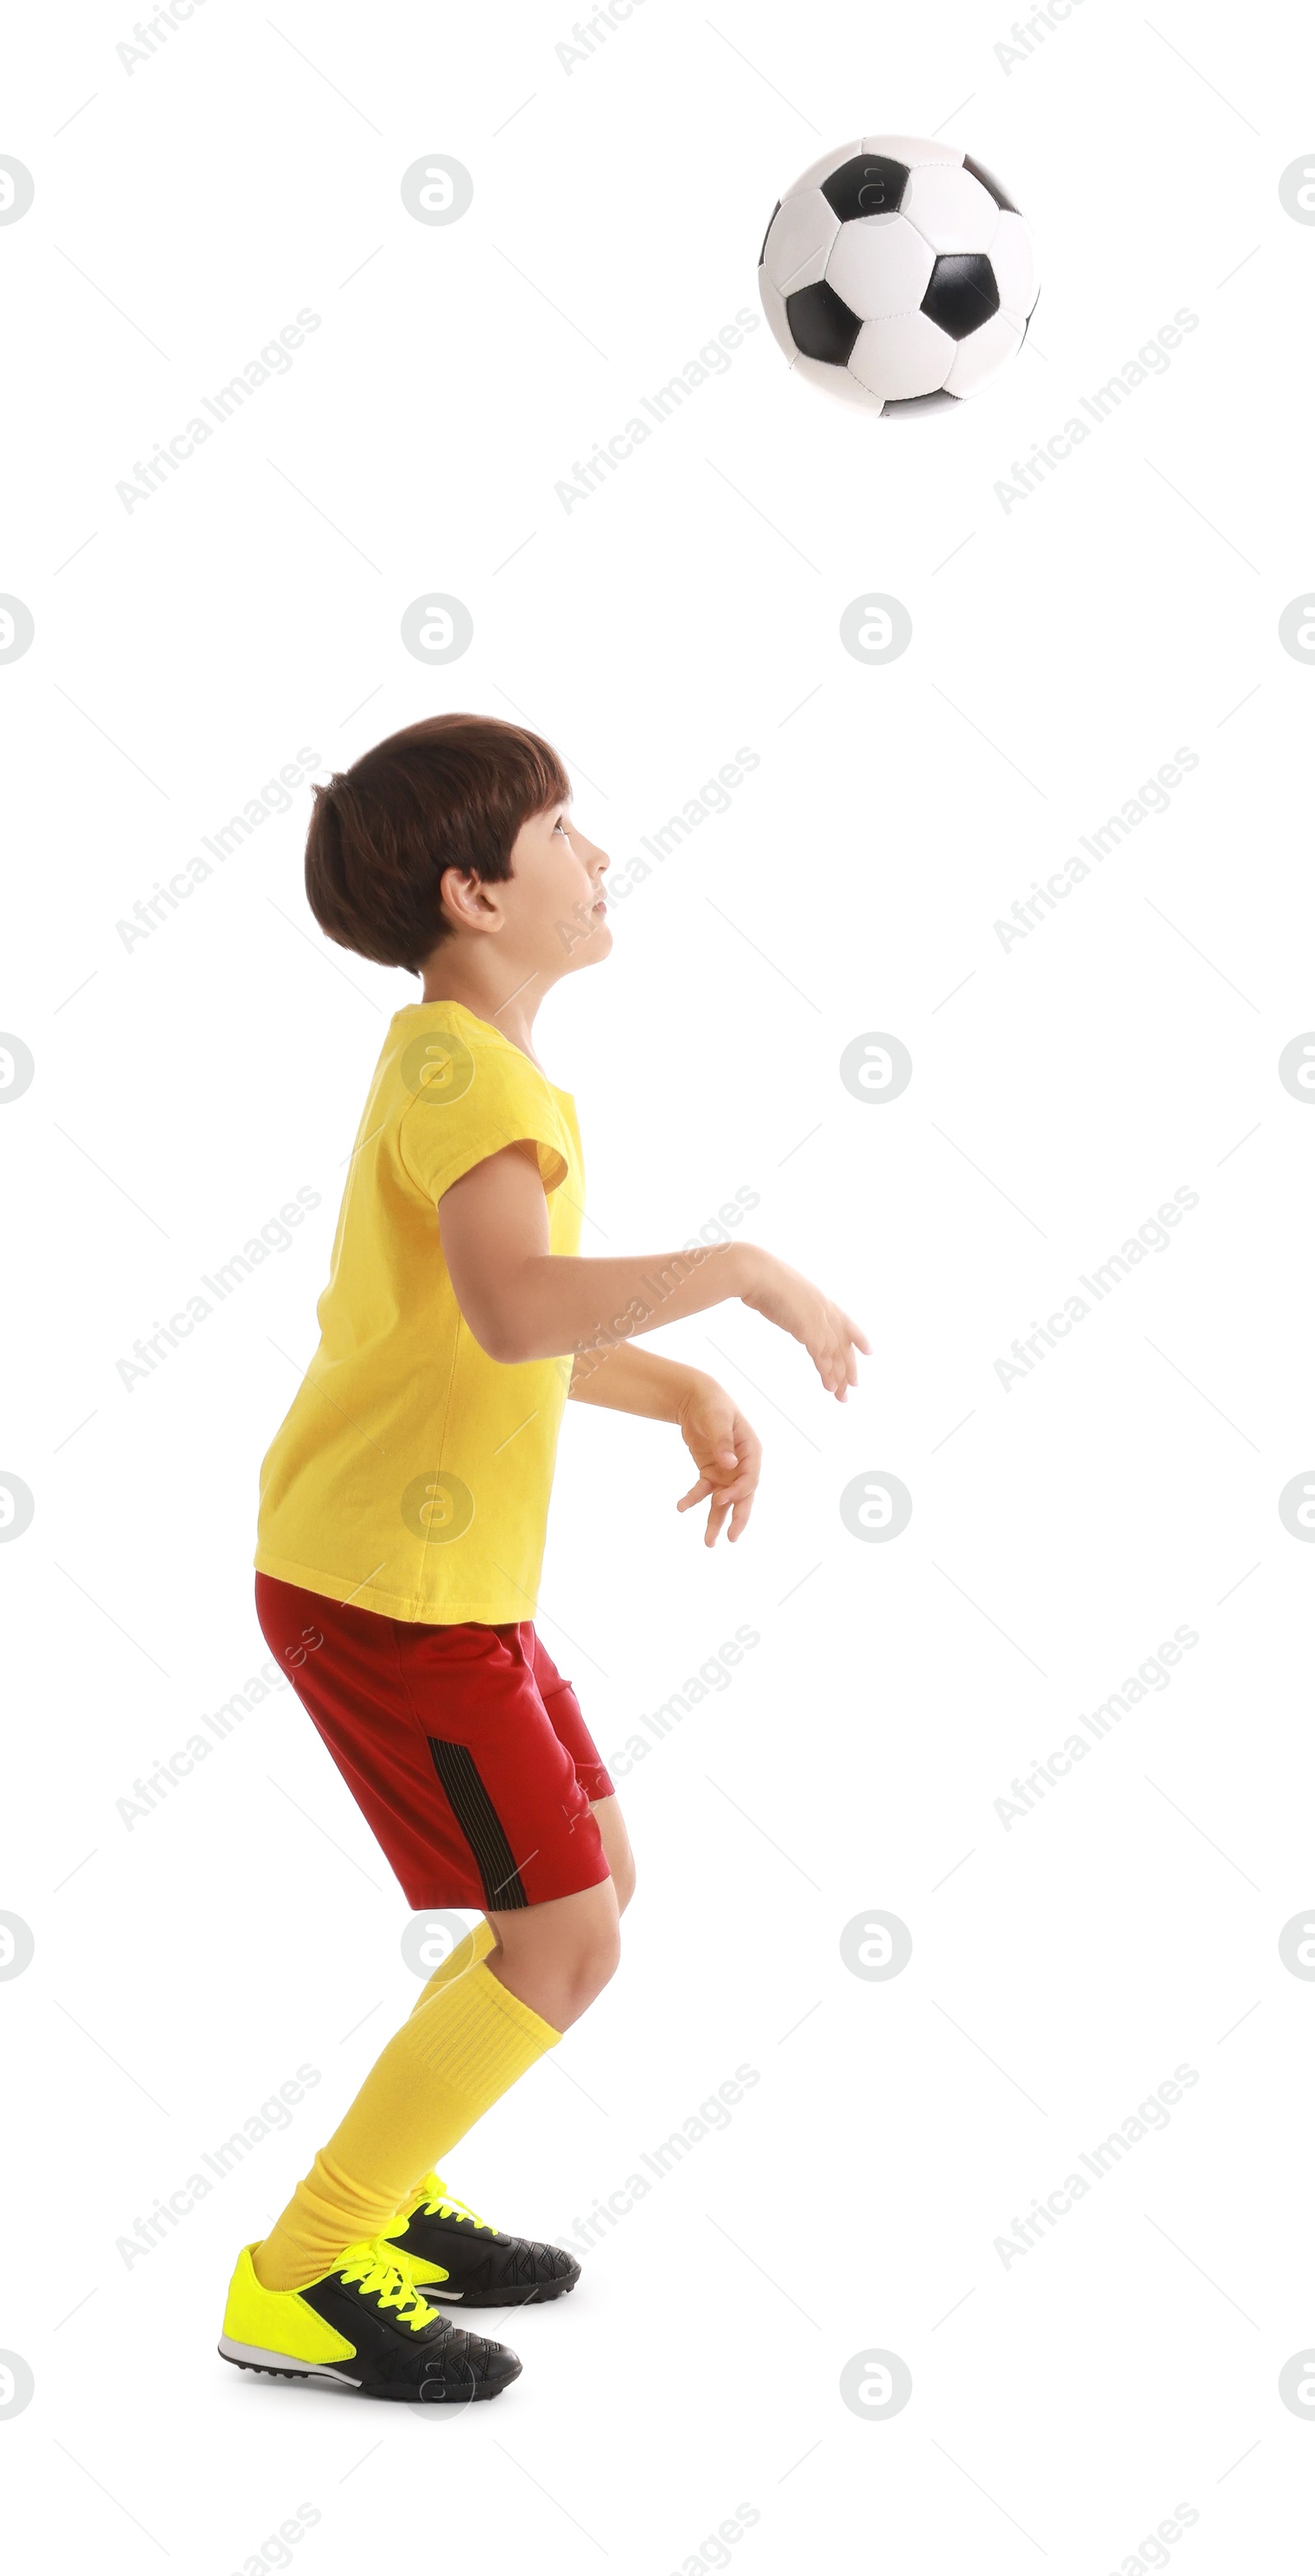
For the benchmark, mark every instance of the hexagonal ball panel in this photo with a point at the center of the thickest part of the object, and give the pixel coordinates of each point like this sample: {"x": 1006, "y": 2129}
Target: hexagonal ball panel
{"x": 799, "y": 237}
{"x": 992, "y": 186}
{"x": 952, "y": 209}
{"x": 912, "y": 405}
{"x": 963, "y": 293}
{"x": 868, "y": 185}
{"x": 906, "y": 356}
{"x": 773, "y": 303}
{"x": 821, "y": 325}
{"x": 838, "y": 382}
{"x": 880, "y": 266}
{"x": 982, "y": 355}
{"x": 1014, "y": 260}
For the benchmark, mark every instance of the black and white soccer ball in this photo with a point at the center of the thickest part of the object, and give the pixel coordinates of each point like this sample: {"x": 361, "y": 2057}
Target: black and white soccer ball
{"x": 898, "y": 274}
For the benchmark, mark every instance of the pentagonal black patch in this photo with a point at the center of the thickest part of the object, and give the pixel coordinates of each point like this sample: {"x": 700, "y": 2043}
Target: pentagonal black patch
{"x": 821, "y": 324}
{"x": 770, "y": 221}
{"x": 868, "y": 185}
{"x": 992, "y": 186}
{"x": 903, "y": 403}
{"x": 962, "y": 293}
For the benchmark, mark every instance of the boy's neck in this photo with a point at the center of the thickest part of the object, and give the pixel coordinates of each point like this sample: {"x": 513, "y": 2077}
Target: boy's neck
{"x": 451, "y": 979}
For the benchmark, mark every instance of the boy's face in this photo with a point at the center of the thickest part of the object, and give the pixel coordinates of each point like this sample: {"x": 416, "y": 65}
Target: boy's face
{"x": 555, "y": 917}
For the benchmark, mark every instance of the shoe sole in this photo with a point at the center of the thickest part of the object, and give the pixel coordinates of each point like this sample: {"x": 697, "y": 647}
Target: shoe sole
{"x": 533, "y": 2298}
{"x": 284, "y": 2365}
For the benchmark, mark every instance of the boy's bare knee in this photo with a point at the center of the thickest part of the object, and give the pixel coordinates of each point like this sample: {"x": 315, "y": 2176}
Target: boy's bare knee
{"x": 596, "y": 1963}
{"x": 559, "y": 1956}
{"x": 580, "y": 1975}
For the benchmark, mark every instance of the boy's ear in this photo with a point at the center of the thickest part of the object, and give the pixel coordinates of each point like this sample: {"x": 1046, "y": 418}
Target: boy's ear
{"x": 466, "y": 900}
{"x": 454, "y": 895}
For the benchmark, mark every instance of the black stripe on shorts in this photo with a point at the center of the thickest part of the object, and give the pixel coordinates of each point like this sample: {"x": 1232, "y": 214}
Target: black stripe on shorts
{"x": 478, "y": 1818}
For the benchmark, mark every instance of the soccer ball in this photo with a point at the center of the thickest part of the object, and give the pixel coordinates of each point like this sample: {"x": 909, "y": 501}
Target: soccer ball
{"x": 898, "y": 275}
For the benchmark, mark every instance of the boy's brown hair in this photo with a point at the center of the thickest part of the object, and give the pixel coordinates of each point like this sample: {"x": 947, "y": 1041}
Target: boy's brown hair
{"x": 449, "y": 792}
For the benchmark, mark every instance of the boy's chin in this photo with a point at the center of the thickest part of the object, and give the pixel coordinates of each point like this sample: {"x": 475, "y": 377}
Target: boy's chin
{"x": 597, "y": 946}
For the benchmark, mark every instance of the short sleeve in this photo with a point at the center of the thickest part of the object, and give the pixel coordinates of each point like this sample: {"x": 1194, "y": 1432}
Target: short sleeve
{"x": 470, "y": 1097}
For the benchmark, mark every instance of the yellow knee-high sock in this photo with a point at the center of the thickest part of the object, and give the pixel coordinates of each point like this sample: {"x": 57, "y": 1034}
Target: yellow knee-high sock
{"x": 475, "y": 1945}
{"x": 457, "y": 2053}
{"x": 466, "y": 1954}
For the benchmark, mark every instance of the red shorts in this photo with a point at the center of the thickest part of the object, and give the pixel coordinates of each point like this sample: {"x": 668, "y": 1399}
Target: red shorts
{"x": 464, "y": 1749}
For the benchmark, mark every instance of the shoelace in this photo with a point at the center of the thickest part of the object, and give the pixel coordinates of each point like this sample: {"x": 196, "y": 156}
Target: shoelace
{"x": 440, "y": 2204}
{"x": 379, "y": 2274}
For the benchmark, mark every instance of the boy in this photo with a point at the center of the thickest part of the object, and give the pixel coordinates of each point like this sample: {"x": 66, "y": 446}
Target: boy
{"x": 401, "y": 1530}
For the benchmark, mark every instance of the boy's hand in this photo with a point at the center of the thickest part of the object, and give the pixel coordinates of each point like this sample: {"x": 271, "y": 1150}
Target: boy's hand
{"x": 830, "y": 1336}
{"x": 727, "y": 1453}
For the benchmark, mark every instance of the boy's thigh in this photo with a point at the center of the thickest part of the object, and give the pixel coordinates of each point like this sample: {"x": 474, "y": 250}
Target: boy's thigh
{"x": 508, "y": 1777}
{"x": 444, "y": 1739}
{"x": 616, "y": 1844}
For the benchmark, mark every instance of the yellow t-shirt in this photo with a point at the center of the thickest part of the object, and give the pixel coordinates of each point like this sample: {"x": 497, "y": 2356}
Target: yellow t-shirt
{"x": 412, "y": 1474}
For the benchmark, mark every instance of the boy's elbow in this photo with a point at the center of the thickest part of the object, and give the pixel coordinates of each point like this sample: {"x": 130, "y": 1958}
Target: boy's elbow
{"x": 502, "y": 1337}
{"x": 507, "y": 1348}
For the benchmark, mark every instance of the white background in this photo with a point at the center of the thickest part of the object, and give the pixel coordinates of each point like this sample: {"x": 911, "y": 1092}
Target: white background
{"x": 187, "y": 1085}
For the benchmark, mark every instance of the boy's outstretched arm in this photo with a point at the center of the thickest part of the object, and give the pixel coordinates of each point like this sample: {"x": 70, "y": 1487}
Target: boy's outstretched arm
{"x": 523, "y": 1302}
